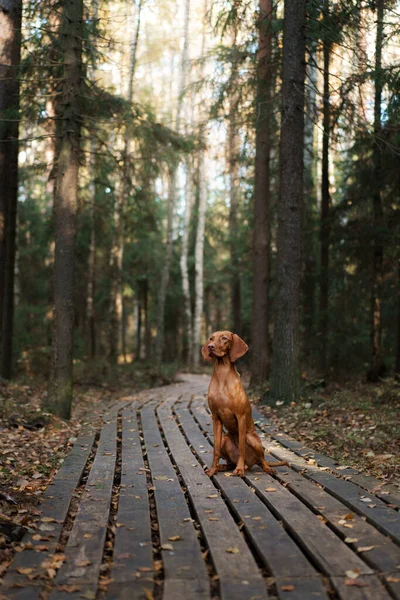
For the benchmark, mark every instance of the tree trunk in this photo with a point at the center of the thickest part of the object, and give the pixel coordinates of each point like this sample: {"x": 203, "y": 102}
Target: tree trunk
{"x": 261, "y": 230}
{"x": 199, "y": 245}
{"x": 233, "y": 162}
{"x": 147, "y": 332}
{"x": 10, "y": 57}
{"x": 325, "y": 202}
{"x": 184, "y": 264}
{"x": 377, "y": 367}
{"x": 188, "y": 206}
{"x": 117, "y": 251}
{"x": 285, "y": 384}
{"x": 91, "y": 284}
{"x": 162, "y": 295}
{"x": 310, "y": 202}
{"x": 60, "y": 391}
{"x": 199, "y": 256}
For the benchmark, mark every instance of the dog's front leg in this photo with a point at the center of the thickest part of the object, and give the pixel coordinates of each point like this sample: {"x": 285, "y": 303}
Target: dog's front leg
{"x": 217, "y": 427}
{"x": 242, "y": 446}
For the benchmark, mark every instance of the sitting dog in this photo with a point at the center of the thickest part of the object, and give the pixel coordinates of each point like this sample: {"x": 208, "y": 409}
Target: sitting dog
{"x": 240, "y": 446}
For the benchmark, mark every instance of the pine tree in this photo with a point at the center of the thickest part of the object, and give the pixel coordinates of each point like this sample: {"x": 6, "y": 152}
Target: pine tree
{"x": 285, "y": 382}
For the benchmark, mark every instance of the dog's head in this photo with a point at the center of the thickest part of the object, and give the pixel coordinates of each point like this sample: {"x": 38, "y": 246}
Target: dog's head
{"x": 221, "y": 343}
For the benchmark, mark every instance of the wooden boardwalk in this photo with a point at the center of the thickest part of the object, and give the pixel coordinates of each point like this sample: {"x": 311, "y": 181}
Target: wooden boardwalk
{"x": 131, "y": 514}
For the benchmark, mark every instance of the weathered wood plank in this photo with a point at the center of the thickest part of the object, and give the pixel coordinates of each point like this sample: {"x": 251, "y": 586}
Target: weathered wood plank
{"x": 388, "y": 493}
{"x": 132, "y": 568}
{"x": 275, "y": 548}
{"x": 184, "y": 564}
{"x": 54, "y": 509}
{"x": 239, "y": 575}
{"x": 373, "y": 589}
{"x": 84, "y": 549}
{"x": 376, "y": 512}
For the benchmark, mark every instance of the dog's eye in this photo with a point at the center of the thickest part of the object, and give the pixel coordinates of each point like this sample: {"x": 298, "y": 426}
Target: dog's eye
{"x": 224, "y": 338}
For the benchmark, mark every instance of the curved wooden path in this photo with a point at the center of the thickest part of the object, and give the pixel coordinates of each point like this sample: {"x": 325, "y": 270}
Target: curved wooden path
{"x": 131, "y": 514}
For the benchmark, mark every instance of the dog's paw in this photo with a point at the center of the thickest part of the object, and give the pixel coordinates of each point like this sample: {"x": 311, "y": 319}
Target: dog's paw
{"x": 269, "y": 470}
{"x": 211, "y": 472}
{"x": 238, "y": 472}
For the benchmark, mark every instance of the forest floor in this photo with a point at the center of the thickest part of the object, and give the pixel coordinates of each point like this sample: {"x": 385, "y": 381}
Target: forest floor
{"x": 33, "y": 443}
{"x": 357, "y": 424}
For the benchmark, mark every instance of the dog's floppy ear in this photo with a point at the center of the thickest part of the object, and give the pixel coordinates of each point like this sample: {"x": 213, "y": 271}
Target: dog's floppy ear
{"x": 238, "y": 348}
{"x": 205, "y": 353}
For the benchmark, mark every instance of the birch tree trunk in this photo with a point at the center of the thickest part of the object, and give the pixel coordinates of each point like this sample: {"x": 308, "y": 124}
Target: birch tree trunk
{"x": 199, "y": 247}
{"x": 188, "y": 205}
{"x": 60, "y": 391}
{"x": 117, "y": 249}
{"x": 377, "y": 367}
{"x": 10, "y": 57}
{"x": 171, "y": 204}
{"x": 285, "y": 382}
{"x": 310, "y": 201}
{"x": 184, "y": 262}
{"x": 261, "y": 231}
{"x": 199, "y": 257}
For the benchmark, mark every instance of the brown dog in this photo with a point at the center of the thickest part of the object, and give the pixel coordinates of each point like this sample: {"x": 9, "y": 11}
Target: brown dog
{"x": 241, "y": 446}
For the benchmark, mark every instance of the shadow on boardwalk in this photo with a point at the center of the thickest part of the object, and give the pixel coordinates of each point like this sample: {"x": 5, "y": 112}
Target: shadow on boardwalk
{"x": 131, "y": 514}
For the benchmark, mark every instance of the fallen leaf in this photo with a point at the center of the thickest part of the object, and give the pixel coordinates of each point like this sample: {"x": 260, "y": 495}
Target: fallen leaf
{"x": 365, "y": 548}
{"x": 287, "y": 588}
{"x": 232, "y": 550}
{"x": 355, "y": 582}
{"x": 392, "y": 579}
{"x": 174, "y": 538}
{"x": 212, "y": 496}
{"x": 70, "y": 589}
{"x": 352, "y": 573}
{"x": 270, "y": 489}
{"x": 350, "y": 540}
{"x": 24, "y": 570}
{"x": 167, "y": 547}
{"x": 83, "y": 563}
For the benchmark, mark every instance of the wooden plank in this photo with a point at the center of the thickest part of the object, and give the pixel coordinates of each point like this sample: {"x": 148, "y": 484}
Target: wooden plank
{"x": 384, "y": 555}
{"x": 388, "y": 493}
{"x": 384, "y": 518}
{"x": 240, "y": 578}
{"x": 184, "y": 564}
{"x": 275, "y": 548}
{"x": 54, "y": 509}
{"x": 132, "y": 568}
{"x": 373, "y": 589}
{"x": 84, "y": 549}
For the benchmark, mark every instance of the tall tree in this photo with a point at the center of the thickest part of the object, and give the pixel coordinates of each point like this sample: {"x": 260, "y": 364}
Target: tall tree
{"x": 188, "y": 202}
{"x": 59, "y": 398}
{"x": 199, "y": 247}
{"x": 233, "y": 144}
{"x": 261, "y": 228}
{"x": 377, "y": 366}
{"x": 10, "y": 56}
{"x": 325, "y": 196}
{"x": 285, "y": 382}
{"x": 91, "y": 282}
{"x": 117, "y": 249}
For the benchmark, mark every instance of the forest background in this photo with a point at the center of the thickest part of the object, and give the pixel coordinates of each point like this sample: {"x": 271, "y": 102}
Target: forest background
{"x": 173, "y": 168}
